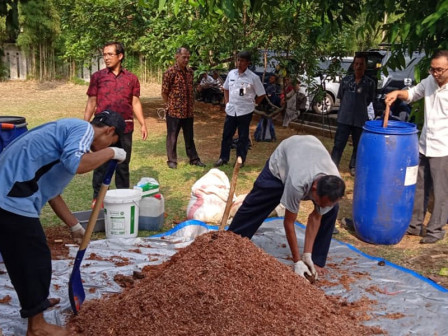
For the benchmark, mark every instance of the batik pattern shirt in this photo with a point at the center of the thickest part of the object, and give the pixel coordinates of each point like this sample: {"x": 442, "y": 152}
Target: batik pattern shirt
{"x": 177, "y": 85}
{"x": 115, "y": 93}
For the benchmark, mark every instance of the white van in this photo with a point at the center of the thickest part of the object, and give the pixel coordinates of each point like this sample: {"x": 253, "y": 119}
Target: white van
{"x": 326, "y": 82}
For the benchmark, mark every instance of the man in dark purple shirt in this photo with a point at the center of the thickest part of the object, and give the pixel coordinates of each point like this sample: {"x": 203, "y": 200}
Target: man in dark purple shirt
{"x": 115, "y": 89}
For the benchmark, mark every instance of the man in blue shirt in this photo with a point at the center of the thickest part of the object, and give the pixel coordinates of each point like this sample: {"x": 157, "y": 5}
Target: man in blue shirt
{"x": 35, "y": 168}
{"x": 356, "y": 92}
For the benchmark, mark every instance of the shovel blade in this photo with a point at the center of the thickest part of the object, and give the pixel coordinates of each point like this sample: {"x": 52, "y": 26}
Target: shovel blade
{"x": 76, "y": 292}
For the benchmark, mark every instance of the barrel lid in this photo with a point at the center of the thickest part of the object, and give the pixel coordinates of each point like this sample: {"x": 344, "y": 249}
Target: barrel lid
{"x": 393, "y": 127}
{"x": 12, "y": 120}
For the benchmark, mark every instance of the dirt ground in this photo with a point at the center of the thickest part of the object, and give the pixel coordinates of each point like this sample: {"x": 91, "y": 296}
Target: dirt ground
{"x": 427, "y": 260}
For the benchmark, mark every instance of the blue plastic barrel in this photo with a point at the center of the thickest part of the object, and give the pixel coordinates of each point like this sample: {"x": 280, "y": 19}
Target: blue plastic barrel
{"x": 385, "y": 180}
{"x": 10, "y": 128}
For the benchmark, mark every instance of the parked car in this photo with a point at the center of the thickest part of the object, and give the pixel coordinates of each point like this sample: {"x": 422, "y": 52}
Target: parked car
{"x": 329, "y": 83}
{"x": 396, "y": 79}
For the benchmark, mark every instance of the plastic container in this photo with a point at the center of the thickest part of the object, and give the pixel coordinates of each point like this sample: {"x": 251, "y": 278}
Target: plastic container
{"x": 385, "y": 181}
{"x": 83, "y": 218}
{"x": 11, "y": 128}
{"x": 121, "y": 212}
{"x": 152, "y": 213}
{"x": 148, "y": 186}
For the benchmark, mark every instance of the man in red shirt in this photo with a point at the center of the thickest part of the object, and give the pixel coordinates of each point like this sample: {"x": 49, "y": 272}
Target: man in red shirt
{"x": 177, "y": 92}
{"x": 115, "y": 89}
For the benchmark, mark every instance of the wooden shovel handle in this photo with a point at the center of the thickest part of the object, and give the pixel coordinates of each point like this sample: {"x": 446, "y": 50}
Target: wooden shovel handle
{"x": 386, "y": 115}
{"x": 98, "y": 204}
{"x": 225, "y": 216}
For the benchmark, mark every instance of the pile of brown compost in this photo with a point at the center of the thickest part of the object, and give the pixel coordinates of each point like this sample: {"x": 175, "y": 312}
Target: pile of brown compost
{"x": 221, "y": 284}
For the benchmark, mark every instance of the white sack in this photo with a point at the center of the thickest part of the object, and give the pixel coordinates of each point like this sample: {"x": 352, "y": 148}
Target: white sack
{"x": 209, "y": 196}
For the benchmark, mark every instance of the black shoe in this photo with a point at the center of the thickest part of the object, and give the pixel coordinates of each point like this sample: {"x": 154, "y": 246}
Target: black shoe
{"x": 172, "y": 165}
{"x": 429, "y": 240}
{"x": 348, "y": 223}
{"x": 197, "y": 163}
{"x": 220, "y": 162}
{"x": 414, "y": 232}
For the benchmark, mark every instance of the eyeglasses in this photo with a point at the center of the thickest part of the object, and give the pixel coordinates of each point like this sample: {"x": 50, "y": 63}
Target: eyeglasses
{"x": 438, "y": 71}
{"x": 108, "y": 55}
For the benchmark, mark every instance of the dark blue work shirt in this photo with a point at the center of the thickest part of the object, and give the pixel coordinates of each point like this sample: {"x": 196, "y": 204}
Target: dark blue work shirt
{"x": 355, "y": 97}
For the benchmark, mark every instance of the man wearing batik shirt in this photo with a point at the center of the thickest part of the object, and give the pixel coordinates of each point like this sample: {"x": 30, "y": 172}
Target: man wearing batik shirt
{"x": 177, "y": 93}
{"x": 115, "y": 89}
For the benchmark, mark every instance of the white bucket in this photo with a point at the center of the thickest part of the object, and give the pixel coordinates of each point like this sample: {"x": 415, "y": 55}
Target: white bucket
{"x": 121, "y": 211}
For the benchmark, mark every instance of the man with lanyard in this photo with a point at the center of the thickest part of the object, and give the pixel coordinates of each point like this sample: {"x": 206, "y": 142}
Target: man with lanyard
{"x": 299, "y": 169}
{"x": 115, "y": 89}
{"x": 35, "y": 168}
{"x": 242, "y": 90}
{"x": 433, "y": 148}
{"x": 356, "y": 92}
{"x": 177, "y": 93}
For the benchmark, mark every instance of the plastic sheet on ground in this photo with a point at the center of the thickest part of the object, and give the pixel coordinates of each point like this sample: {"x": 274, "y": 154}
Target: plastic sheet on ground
{"x": 403, "y": 302}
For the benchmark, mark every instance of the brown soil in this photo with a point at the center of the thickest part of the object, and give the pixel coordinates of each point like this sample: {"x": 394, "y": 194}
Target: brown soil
{"x": 222, "y": 284}
{"x": 57, "y": 238}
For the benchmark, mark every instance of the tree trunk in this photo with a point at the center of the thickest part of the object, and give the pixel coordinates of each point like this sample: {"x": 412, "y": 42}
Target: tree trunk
{"x": 40, "y": 62}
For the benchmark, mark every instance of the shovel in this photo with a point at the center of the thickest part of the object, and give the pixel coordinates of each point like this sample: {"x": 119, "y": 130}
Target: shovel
{"x": 225, "y": 216}
{"x": 386, "y": 116}
{"x": 76, "y": 292}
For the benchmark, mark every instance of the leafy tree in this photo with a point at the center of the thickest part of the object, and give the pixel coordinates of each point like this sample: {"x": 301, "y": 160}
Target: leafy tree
{"x": 87, "y": 25}
{"x": 411, "y": 25}
{"x": 39, "y": 22}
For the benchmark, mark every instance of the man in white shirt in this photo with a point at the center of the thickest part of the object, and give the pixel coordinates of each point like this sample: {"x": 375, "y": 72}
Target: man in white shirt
{"x": 433, "y": 148}
{"x": 242, "y": 90}
{"x": 209, "y": 89}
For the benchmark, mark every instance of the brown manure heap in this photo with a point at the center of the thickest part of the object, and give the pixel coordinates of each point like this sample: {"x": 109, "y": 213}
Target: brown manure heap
{"x": 221, "y": 284}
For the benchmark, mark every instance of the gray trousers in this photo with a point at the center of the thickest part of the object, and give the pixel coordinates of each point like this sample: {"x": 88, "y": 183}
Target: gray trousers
{"x": 432, "y": 174}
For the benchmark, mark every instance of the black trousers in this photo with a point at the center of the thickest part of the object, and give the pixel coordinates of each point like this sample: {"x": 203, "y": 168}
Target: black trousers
{"x": 262, "y": 200}
{"x": 173, "y": 127}
{"x": 231, "y": 124}
{"x": 340, "y": 140}
{"x": 122, "y": 171}
{"x": 27, "y": 258}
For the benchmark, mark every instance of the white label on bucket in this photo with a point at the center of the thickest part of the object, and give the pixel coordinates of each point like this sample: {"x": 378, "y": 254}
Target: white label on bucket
{"x": 118, "y": 225}
{"x": 411, "y": 176}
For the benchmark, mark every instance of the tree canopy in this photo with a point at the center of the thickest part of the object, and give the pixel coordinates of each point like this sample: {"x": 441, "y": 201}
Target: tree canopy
{"x": 301, "y": 31}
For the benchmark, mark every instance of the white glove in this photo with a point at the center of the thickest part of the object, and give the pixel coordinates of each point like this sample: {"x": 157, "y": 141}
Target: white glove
{"x": 119, "y": 154}
{"x": 306, "y": 258}
{"x": 301, "y": 269}
{"x": 77, "y": 233}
